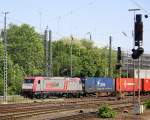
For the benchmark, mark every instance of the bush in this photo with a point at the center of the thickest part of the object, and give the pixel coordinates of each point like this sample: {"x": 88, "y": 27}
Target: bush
{"x": 147, "y": 104}
{"x": 106, "y": 111}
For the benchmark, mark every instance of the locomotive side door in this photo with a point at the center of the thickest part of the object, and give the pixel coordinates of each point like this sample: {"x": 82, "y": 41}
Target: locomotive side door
{"x": 41, "y": 85}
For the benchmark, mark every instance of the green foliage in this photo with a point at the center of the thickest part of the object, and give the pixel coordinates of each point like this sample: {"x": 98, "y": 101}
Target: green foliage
{"x": 87, "y": 60}
{"x": 106, "y": 111}
{"x": 147, "y": 104}
{"x": 26, "y": 48}
{"x": 1, "y": 68}
{"x": 16, "y": 76}
{"x": 26, "y": 57}
{"x": 124, "y": 75}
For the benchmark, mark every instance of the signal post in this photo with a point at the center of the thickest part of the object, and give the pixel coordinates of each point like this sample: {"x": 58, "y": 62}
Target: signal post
{"x": 118, "y": 68}
{"x": 137, "y": 52}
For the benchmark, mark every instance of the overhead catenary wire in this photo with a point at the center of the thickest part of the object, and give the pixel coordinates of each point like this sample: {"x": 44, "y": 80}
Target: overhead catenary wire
{"x": 56, "y": 18}
{"x": 89, "y": 3}
{"x": 22, "y": 22}
{"x": 138, "y": 5}
{"x": 71, "y": 12}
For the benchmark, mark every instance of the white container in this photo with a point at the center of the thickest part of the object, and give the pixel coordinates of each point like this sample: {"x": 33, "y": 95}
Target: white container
{"x": 143, "y": 73}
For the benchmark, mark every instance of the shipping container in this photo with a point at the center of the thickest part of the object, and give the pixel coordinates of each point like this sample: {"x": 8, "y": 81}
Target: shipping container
{"x": 127, "y": 84}
{"x": 143, "y": 73}
{"x": 105, "y": 84}
{"x": 99, "y": 84}
{"x": 146, "y": 85}
{"x": 90, "y": 85}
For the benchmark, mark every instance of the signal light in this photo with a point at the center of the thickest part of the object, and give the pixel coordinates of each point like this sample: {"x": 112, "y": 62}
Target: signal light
{"x": 138, "y": 18}
{"x": 119, "y": 54}
{"x": 138, "y": 30}
{"x": 138, "y": 33}
{"x": 136, "y": 53}
{"x": 140, "y": 50}
{"x": 118, "y": 66}
{"x": 146, "y": 16}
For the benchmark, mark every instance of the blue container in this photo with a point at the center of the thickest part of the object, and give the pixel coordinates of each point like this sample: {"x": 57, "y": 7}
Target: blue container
{"x": 99, "y": 84}
{"x": 105, "y": 84}
{"x": 90, "y": 84}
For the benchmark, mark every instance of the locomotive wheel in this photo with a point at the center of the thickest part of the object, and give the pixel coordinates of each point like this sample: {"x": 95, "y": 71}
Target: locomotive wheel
{"x": 69, "y": 95}
{"x": 33, "y": 96}
{"x": 78, "y": 95}
{"x": 44, "y": 96}
{"x": 38, "y": 96}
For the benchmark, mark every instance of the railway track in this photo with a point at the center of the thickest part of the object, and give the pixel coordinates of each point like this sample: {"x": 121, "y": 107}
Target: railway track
{"x": 118, "y": 107}
{"x": 29, "y": 110}
{"x": 11, "y": 108}
{"x": 84, "y": 113}
{"x": 80, "y": 116}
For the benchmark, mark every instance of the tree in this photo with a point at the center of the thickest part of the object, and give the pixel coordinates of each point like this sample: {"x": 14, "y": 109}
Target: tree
{"x": 16, "y": 76}
{"x": 87, "y": 59}
{"x": 25, "y": 56}
{"x": 9, "y": 64}
{"x": 1, "y": 67}
{"x": 25, "y": 47}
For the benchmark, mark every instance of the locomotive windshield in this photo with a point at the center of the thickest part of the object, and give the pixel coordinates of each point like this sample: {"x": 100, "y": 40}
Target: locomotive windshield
{"x": 28, "y": 80}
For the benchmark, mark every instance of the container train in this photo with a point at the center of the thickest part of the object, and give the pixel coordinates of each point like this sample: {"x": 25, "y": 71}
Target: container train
{"x": 44, "y": 87}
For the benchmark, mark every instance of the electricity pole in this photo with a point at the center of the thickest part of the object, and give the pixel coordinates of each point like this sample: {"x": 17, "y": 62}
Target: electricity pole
{"x": 110, "y": 62}
{"x": 127, "y": 61}
{"x": 71, "y": 56}
{"x": 50, "y": 61}
{"x": 46, "y": 52}
{"x": 5, "y": 57}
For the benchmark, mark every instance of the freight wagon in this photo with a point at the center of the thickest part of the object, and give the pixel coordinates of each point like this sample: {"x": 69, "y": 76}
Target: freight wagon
{"x": 143, "y": 73}
{"x": 145, "y": 85}
{"x": 127, "y": 84}
{"x": 99, "y": 85}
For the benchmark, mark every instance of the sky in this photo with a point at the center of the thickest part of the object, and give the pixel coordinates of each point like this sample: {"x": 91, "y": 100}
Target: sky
{"x": 102, "y": 18}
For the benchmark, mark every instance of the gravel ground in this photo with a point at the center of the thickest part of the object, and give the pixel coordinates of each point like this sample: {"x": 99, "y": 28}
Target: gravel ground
{"x": 130, "y": 116}
{"x": 120, "y": 116}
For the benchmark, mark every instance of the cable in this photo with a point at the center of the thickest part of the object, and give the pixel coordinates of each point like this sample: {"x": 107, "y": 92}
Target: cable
{"x": 16, "y": 20}
{"x": 22, "y": 22}
{"x": 71, "y": 12}
{"x": 138, "y": 5}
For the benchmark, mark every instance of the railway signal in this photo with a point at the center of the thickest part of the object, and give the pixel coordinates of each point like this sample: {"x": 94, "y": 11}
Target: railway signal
{"x": 138, "y": 41}
{"x": 138, "y": 37}
{"x": 119, "y": 54}
{"x": 118, "y": 65}
{"x": 137, "y": 52}
{"x": 138, "y": 30}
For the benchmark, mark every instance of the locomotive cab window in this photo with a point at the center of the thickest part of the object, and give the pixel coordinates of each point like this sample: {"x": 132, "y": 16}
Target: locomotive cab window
{"x": 28, "y": 80}
{"x": 39, "y": 82}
